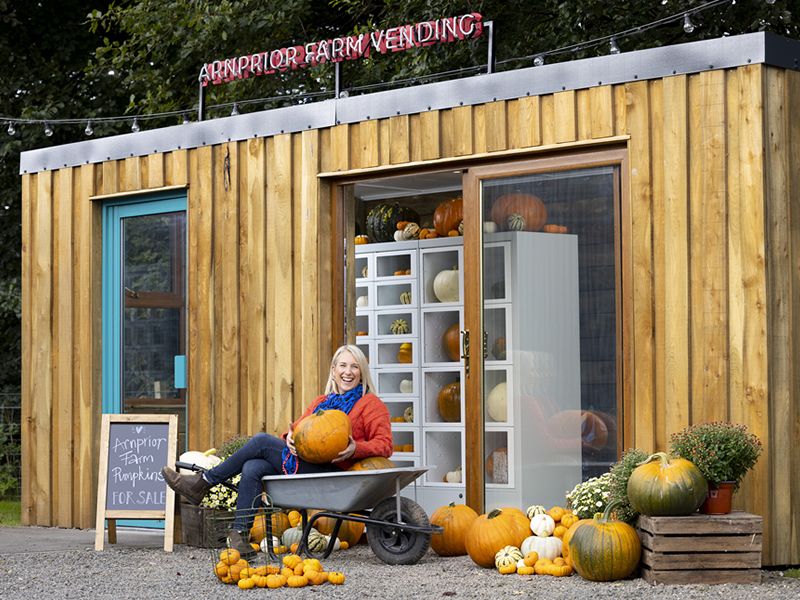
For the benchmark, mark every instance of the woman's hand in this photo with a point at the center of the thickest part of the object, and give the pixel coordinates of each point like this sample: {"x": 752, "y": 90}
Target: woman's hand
{"x": 290, "y": 441}
{"x": 347, "y": 452}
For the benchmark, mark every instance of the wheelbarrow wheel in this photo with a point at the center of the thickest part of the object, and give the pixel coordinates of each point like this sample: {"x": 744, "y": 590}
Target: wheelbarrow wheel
{"x": 393, "y": 545}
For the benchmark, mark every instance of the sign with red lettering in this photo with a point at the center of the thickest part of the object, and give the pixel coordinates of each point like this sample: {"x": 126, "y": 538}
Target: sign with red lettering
{"x": 394, "y": 39}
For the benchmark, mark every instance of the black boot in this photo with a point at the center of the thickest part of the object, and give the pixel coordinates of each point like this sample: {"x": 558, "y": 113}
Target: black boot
{"x": 192, "y": 486}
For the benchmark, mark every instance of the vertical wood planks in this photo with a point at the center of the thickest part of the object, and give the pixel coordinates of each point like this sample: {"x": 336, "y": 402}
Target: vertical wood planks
{"x": 340, "y": 148}
{"x": 601, "y": 107}
{"x": 495, "y": 122}
{"x": 41, "y": 387}
{"x": 430, "y": 135}
{"x": 676, "y": 259}
{"x": 524, "y": 126}
{"x": 749, "y": 404}
{"x": 280, "y": 296}
{"x": 63, "y": 324}
{"x": 202, "y": 367}
{"x": 566, "y": 124}
{"x": 155, "y": 170}
{"x": 707, "y": 268}
{"x": 638, "y": 115}
{"x": 26, "y": 340}
{"x": 252, "y": 286}
{"x": 226, "y": 283}
{"x": 780, "y": 306}
{"x": 307, "y": 216}
{"x": 399, "y": 134}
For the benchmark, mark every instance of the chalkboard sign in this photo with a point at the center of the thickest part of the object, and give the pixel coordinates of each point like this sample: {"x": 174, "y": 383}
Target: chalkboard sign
{"x": 133, "y": 449}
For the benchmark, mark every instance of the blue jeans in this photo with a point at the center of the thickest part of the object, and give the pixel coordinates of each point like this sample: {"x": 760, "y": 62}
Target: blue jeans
{"x": 260, "y": 456}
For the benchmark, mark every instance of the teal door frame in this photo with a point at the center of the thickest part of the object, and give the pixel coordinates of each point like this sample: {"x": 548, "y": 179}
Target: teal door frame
{"x": 113, "y": 213}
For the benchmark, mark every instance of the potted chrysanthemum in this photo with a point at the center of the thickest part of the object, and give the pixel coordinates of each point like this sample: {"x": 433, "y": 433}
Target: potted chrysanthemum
{"x": 724, "y": 452}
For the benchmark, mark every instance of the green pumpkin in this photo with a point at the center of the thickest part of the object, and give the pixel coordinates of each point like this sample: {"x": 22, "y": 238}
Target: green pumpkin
{"x": 316, "y": 541}
{"x": 382, "y": 220}
{"x": 663, "y": 487}
{"x": 604, "y": 549}
{"x": 515, "y": 222}
{"x": 292, "y": 536}
{"x": 399, "y": 326}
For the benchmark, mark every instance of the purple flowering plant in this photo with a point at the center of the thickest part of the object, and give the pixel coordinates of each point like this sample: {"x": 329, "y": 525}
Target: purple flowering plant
{"x": 722, "y": 451}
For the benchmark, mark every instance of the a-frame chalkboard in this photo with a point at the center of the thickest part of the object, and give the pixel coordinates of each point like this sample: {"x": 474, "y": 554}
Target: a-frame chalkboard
{"x": 133, "y": 449}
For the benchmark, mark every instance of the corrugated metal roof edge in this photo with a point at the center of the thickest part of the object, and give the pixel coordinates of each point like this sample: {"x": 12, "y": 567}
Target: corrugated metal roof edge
{"x": 652, "y": 63}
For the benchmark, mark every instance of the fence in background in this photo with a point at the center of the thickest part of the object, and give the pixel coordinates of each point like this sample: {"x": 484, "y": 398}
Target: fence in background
{"x": 10, "y": 454}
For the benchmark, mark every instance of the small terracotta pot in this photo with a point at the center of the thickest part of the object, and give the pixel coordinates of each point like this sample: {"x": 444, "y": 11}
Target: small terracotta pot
{"x": 719, "y": 498}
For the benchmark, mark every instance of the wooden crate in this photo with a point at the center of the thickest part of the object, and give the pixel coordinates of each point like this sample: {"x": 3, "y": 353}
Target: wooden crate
{"x": 701, "y": 548}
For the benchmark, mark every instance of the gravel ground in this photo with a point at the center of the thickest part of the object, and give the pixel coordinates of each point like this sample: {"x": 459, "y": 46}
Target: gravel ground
{"x": 125, "y": 572}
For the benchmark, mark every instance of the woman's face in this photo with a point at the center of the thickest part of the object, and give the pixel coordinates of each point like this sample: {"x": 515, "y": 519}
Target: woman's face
{"x": 346, "y": 372}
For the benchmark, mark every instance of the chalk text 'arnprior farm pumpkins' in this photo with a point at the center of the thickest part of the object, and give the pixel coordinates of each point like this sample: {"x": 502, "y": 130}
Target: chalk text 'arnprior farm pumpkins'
{"x": 320, "y": 437}
{"x": 663, "y": 487}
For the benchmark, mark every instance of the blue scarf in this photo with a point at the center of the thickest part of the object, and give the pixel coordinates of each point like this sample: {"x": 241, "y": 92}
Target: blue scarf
{"x": 343, "y": 402}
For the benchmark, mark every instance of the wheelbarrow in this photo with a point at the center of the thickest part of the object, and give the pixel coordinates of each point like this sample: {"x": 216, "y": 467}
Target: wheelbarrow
{"x": 398, "y": 529}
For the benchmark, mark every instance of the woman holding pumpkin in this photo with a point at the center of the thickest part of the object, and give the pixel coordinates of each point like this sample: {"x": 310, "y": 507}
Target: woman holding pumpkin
{"x": 350, "y": 390}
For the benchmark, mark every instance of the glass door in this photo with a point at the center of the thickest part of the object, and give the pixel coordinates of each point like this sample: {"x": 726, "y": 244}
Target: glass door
{"x": 543, "y": 393}
{"x": 144, "y": 309}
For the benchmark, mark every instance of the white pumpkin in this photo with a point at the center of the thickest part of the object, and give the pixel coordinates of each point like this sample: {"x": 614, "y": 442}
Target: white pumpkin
{"x": 508, "y": 555}
{"x": 453, "y": 476}
{"x": 408, "y": 414}
{"x": 207, "y": 459}
{"x": 275, "y": 543}
{"x": 399, "y": 236}
{"x": 337, "y": 545}
{"x": 406, "y": 386}
{"x": 489, "y": 227}
{"x": 362, "y": 301}
{"x": 445, "y": 285}
{"x": 545, "y": 547}
{"x": 497, "y": 403}
{"x": 543, "y": 525}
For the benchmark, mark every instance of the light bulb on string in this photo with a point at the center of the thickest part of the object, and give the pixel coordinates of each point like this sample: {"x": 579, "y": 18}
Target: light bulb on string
{"x": 688, "y": 26}
{"x": 185, "y": 119}
{"x": 11, "y": 129}
{"x": 613, "y": 48}
{"x": 88, "y": 130}
{"x": 770, "y": 1}
{"x": 235, "y": 110}
{"x": 664, "y": 2}
{"x": 48, "y": 131}
{"x": 135, "y": 127}
{"x": 538, "y": 61}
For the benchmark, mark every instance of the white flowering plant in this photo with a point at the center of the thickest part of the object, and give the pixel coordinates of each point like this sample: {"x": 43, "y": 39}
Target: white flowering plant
{"x": 590, "y": 497}
{"x": 221, "y": 497}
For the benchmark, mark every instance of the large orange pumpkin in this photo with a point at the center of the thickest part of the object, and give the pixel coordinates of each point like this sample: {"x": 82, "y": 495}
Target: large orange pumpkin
{"x": 455, "y": 519}
{"x": 529, "y": 207}
{"x": 280, "y": 523}
{"x": 568, "y": 536}
{"x": 320, "y": 437}
{"x": 488, "y": 534}
{"x": 448, "y": 215}
{"x": 604, "y": 549}
{"x": 372, "y": 462}
{"x": 449, "y": 401}
{"x": 451, "y": 341}
{"x": 349, "y": 531}
{"x": 521, "y": 520}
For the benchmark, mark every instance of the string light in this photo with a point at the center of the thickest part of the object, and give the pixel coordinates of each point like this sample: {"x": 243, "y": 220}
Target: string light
{"x": 539, "y": 59}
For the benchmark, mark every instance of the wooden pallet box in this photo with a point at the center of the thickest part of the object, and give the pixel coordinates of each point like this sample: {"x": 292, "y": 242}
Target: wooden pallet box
{"x": 701, "y": 548}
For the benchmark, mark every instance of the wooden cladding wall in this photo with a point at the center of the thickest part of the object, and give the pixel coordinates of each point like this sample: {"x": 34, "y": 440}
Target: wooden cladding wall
{"x": 710, "y": 276}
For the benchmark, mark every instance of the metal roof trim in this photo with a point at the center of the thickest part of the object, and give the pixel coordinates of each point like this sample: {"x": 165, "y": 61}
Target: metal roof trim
{"x": 652, "y": 63}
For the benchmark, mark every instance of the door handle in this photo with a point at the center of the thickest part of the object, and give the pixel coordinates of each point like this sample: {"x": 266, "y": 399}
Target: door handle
{"x": 465, "y": 349}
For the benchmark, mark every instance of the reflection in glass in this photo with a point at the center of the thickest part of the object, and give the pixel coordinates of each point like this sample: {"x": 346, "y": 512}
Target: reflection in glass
{"x": 550, "y": 325}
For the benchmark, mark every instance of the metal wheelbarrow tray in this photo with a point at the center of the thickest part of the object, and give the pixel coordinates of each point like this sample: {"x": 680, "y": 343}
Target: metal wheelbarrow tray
{"x": 398, "y": 529}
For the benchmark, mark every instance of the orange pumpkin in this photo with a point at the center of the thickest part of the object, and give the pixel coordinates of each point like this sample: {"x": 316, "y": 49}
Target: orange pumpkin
{"x": 529, "y": 207}
{"x": 372, "y": 462}
{"x": 350, "y": 531}
{"x": 449, "y": 402}
{"x": 455, "y": 519}
{"x": 521, "y": 520}
{"x": 451, "y": 341}
{"x": 321, "y": 436}
{"x": 568, "y": 536}
{"x": 488, "y": 534}
{"x": 280, "y": 523}
{"x": 448, "y": 215}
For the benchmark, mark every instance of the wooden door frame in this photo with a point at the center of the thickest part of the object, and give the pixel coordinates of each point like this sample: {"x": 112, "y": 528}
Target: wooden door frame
{"x": 473, "y": 295}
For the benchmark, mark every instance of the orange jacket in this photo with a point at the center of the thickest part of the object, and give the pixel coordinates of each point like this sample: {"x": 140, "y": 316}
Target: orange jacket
{"x": 371, "y": 428}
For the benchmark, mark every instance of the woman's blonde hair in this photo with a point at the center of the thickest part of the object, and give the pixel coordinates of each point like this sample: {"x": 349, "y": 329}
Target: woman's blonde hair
{"x": 366, "y": 379}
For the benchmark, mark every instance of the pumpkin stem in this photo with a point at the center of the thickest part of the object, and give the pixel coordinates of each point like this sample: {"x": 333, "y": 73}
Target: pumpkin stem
{"x": 495, "y": 513}
{"x": 662, "y": 456}
{"x": 452, "y": 505}
{"x": 606, "y": 516}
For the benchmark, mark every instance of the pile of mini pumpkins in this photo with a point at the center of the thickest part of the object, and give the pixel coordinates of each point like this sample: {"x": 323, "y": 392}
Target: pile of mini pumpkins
{"x": 295, "y": 572}
{"x": 539, "y": 541}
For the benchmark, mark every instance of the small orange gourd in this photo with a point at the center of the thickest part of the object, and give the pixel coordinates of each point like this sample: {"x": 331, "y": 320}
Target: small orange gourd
{"x": 297, "y": 581}
{"x": 336, "y": 578}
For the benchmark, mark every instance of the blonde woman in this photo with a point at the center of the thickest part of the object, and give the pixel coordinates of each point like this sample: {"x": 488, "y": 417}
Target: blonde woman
{"x": 349, "y": 389}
